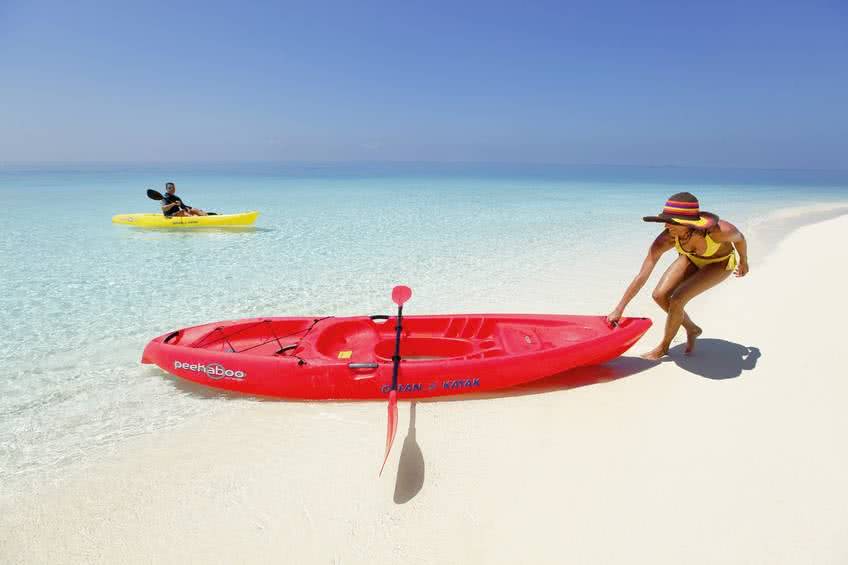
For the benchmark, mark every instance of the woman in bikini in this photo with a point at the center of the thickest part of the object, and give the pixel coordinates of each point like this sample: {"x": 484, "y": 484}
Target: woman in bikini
{"x": 707, "y": 248}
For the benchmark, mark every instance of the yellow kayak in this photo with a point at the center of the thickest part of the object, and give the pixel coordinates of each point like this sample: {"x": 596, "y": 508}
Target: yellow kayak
{"x": 160, "y": 221}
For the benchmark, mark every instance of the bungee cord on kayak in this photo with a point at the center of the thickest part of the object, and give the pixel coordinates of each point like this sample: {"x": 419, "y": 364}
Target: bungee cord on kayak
{"x": 274, "y": 337}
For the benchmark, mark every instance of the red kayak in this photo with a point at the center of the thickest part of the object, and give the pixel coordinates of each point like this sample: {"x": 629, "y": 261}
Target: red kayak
{"x": 351, "y": 358}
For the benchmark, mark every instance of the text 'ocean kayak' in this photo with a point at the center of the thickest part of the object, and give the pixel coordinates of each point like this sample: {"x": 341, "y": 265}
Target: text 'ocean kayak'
{"x": 351, "y": 358}
{"x": 161, "y": 221}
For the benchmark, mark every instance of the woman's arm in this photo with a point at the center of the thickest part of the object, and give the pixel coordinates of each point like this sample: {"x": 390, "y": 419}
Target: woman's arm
{"x": 726, "y": 232}
{"x": 660, "y": 245}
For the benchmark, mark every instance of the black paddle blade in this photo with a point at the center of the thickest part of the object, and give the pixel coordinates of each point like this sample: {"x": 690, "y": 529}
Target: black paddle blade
{"x": 153, "y": 195}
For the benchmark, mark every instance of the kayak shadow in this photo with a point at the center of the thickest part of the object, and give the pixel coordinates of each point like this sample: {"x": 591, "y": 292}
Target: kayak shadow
{"x": 716, "y": 359}
{"x": 410, "y": 473}
{"x": 411, "y": 466}
{"x": 191, "y": 232}
{"x": 618, "y": 368}
{"x": 200, "y": 391}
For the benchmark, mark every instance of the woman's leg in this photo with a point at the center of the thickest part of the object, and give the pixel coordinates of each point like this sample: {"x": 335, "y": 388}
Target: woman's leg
{"x": 681, "y": 269}
{"x": 703, "y": 279}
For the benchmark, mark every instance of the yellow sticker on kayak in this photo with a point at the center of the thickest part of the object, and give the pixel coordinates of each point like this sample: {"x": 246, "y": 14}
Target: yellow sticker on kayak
{"x": 345, "y": 354}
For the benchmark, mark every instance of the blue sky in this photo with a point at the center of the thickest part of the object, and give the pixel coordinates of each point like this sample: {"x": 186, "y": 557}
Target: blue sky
{"x": 729, "y": 84}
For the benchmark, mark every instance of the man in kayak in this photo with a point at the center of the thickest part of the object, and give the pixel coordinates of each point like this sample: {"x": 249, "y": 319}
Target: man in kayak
{"x": 707, "y": 249}
{"x": 172, "y": 205}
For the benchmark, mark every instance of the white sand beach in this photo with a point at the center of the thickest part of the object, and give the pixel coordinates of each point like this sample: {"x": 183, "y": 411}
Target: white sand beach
{"x": 733, "y": 455}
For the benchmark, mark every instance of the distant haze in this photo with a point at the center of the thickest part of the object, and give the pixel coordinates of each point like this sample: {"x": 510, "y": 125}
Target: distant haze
{"x": 726, "y": 84}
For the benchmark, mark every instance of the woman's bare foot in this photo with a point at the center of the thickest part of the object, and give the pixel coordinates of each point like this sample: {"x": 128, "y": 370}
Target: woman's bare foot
{"x": 691, "y": 336}
{"x": 656, "y": 353}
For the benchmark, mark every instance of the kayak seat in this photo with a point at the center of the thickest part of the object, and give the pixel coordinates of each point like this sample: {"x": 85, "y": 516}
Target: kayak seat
{"x": 350, "y": 339}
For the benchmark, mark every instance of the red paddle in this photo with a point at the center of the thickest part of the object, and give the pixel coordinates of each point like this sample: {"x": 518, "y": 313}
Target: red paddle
{"x": 400, "y": 294}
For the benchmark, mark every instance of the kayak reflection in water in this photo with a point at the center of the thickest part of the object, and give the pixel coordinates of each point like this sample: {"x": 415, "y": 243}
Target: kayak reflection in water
{"x": 707, "y": 249}
{"x": 172, "y": 205}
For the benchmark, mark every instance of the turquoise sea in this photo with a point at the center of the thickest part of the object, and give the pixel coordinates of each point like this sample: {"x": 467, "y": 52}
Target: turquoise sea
{"x": 80, "y": 297}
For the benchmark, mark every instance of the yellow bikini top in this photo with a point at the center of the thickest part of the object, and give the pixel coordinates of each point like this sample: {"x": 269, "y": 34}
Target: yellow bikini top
{"x": 712, "y": 247}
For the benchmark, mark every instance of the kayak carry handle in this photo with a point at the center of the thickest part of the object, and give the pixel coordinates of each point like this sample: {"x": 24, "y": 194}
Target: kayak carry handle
{"x": 285, "y": 348}
{"x": 379, "y": 317}
{"x": 363, "y": 365}
{"x": 171, "y": 336}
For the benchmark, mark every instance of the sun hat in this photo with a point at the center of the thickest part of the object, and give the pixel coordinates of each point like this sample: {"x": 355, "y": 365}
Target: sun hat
{"x": 683, "y": 209}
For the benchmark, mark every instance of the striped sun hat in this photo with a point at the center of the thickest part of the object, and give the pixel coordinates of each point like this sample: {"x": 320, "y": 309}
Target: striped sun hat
{"x": 683, "y": 209}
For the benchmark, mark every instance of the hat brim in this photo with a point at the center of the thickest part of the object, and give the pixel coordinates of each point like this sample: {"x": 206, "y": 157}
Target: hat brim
{"x": 705, "y": 220}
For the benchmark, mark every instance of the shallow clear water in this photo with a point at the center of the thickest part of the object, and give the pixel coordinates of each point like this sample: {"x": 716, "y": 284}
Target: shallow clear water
{"x": 80, "y": 297}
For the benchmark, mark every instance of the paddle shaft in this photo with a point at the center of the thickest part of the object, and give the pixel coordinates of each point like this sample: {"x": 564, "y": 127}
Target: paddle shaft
{"x": 400, "y": 294}
{"x": 396, "y": 357}
{"x": 154, "y": 195}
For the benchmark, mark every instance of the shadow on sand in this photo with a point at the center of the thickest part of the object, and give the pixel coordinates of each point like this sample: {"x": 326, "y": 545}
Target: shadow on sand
{"x": 411, "y": 466}
{"x": 582, "y": 376}
{"x": 410, "y": 474}
{"x": 716, "y": 359}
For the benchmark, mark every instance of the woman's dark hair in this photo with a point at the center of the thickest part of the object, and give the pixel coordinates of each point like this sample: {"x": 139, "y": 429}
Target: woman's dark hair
{"x": 700, "y": 231}
{"x": 169, "y": 185}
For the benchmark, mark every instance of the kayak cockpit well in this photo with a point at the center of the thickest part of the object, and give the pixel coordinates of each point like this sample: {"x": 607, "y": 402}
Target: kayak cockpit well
{"x": 424, "y": 348}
